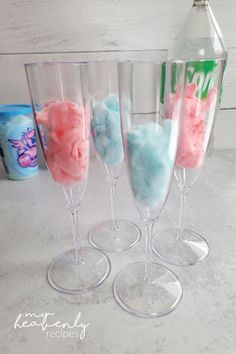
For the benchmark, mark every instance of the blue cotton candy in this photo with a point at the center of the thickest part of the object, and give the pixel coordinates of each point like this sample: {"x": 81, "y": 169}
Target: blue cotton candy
{"x": 112, "y": 103}
{"x": 150, "y": 161}
{"x": 106, "y": 130}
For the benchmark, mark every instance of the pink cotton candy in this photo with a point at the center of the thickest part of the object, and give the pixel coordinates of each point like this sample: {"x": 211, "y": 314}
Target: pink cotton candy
{"x": 42, "y": 117}
{"x": 64, "y": 116}
{"x": 190, "y": 152}
{"x": 173, "y": 105}
{"x": 192, "y": 136}
{"x": 67, "y": 150}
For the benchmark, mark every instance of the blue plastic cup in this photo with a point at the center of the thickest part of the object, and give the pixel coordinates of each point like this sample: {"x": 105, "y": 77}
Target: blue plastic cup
{"x": 18, "y": 141}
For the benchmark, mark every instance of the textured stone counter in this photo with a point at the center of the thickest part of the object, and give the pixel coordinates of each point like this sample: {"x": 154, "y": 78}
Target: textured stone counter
{"x": 35, "y": 228}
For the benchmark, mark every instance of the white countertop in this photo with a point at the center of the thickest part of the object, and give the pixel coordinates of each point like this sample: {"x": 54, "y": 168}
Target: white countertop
{"x": 35, "y": 228}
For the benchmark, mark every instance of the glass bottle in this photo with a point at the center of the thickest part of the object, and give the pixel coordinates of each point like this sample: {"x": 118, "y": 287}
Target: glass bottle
{"x": 200, "y": 43}
{"x": 200, "y": 36}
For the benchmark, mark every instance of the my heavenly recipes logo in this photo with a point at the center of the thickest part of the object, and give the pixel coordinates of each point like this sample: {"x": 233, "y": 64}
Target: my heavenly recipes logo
{"x": 53, "y": 328}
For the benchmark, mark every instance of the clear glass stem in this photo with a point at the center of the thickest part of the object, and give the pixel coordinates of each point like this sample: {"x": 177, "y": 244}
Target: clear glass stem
{"x": 148, "y": 262}
{"x": 183, "y": 200}
{"x": 75, "y": 231}
{"x": 112, "y": 200}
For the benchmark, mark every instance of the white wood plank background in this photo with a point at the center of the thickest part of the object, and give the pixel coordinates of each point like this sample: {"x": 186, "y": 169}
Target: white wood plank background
{"x": 28, "y": 26}
{"x": 32, "y": 30}
{"x": 13, "y": 82}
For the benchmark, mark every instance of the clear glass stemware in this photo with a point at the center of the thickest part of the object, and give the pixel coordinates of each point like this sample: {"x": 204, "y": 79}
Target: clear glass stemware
{"x": 111, "y": 235}
{"x": 150, "y": 127}
{"x": 179, "y": 245}
{"x": 60, "y": 100}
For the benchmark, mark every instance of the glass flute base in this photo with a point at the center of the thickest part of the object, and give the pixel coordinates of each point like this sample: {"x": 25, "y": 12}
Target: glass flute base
{"x": 138, "y": 298}
{"x": 109, "y": 239}
{"x": 192, "y": 249}
{"x": 67, "y": 276}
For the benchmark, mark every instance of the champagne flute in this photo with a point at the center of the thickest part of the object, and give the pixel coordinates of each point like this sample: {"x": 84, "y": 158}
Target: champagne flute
{"x": 150, "y": 134}
{"x": 113, "y": 235}
{"x": 60, "y": 100}
{"x": 181, "y": 246}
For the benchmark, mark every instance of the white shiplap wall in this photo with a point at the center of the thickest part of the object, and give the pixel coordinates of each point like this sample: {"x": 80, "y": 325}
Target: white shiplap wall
{"x": 32, "y": 30}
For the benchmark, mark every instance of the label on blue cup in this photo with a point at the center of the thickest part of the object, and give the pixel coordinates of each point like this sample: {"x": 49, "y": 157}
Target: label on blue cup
{"x": 18, "y": 146}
